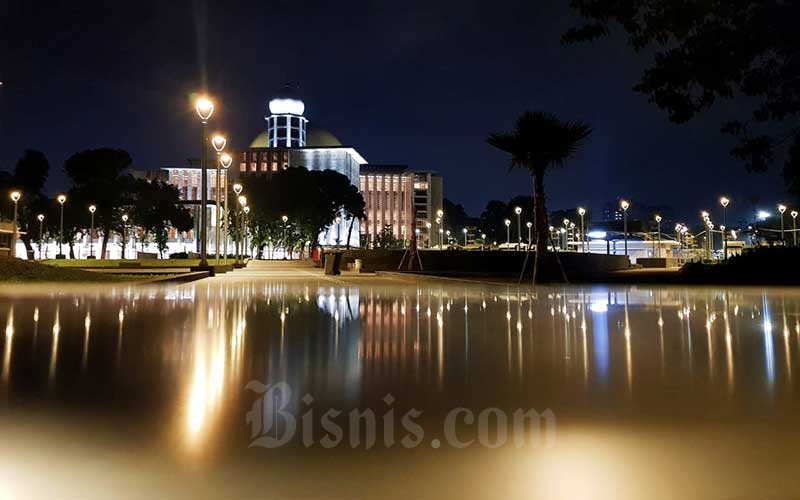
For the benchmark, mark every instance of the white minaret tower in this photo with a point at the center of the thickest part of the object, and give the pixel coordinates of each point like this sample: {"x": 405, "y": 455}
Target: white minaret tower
{"x": 286, "y": 125}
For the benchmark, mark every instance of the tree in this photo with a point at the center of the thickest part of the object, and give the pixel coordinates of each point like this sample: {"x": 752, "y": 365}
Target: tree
{"x": 492, "y": 217}
{"x": 538, "y": 143}
{"x": 155, "y": 207}
{"x": 455, "y": 216}
{"x": 355, "y": 208}
{"x": 28, "y": 177}
{"x": 713, "y": 50}
{"x": 97, "y": 177}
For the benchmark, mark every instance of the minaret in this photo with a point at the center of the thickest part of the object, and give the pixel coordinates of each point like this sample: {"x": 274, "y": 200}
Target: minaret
{"x": 286, "y": 125}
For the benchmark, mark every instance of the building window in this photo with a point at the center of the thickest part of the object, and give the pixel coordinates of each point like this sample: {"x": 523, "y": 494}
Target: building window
{"x": 263, "y": 166}
{"x": 243, "y": 167}
{"x": 253, "y": 167}
{"x": 274, "y": 166}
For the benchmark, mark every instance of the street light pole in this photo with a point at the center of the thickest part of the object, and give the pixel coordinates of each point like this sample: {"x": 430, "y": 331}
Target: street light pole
{"x": 15, "y": 196}
{"x": 658, "y": 225}
{"x": 218, "y": 142}
{"x": 465, "y": 236}
{"x": 204, "y": 108}
{"x": 92, "y": 209}
{"x": 225, "y": 160}
{"x": 124, "y": 235}
{"x": 246, "y": 210}
{"x": 440, "y": 220}
{"x": 582, "y": 212}
{"x": 40, "y": 217}
{"x": 724, "y": 202}
{"x": 518, "y": 211}
{"x": 782, "y": 209}
{"x": 624, "y": 204}
{"x": 529, "y": 226}
{"x": 508, "y": 233}
{"x": 285, "y": 219}
{"x": 793, "y": 213}
{"x": 61, "y": 199}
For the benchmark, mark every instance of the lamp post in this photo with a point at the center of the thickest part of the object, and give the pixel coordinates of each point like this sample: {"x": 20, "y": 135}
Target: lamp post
{"x": 572, "y": 232}
{"x": 518, "y": 211}
{"x": 124, "y": 238}
{"x": 706, "y": 221}
{"x": 285, "y": 219}
{"x": 246, "y": 210}
{"x": 782, "y": 209}
{"x": 658, "y": 225}
{"x": 793, "y": 213}
{"x": 447, "y": 233}
{"x": 483, "y": 240}
{"x": 508, "y": 232}
{"x": 710, "y": 226}
{"x": 624, "y": 204}
{"x": 62, "y": 198}
{"x": 529, "y": 225}
{"x": 441, "y": 237}
{"x": 243, "y": 204}
{"x": 218, "y": 142}
{"x": 92, "y": 210}
{"x": 465, "y": 236}
{"x": 204, "y": 108}
{"x": 429, "y": 226}
{"x": 724, "y": 201}
{"x": 15, "y": 196}
{"x": 439, "y": 221}
{"x": 237, "y": 190}
{"x": 225, "y": 160}
{"x": 338, "y": 221}
{"x": 582, "y": 212}
{"x": 40, "y": 218}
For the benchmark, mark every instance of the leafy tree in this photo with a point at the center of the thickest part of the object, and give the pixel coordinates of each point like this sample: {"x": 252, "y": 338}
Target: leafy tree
{"x": 492, "y": 218}
{"x": 354, "y": 208}
{"x": 538, "y": 143}
{"x": 155, "y": 207}
{"x": 455, "y": 216}
{"x": 713, "y": 50}
{"x": 98, "y": 177}
{"x": 28, "y": 177}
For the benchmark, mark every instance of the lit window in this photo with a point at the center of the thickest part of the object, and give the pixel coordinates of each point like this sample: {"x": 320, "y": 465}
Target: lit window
{"x": 263, "y": 166}
{"x": 242, "y": 167}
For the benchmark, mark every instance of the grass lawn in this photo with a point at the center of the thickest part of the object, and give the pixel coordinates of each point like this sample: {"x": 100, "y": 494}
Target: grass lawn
{"x": 22, "y": 271}
{"x": 143, "y": 262}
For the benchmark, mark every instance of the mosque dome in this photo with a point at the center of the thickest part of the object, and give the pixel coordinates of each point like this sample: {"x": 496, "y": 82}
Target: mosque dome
{"x": 261, "y": 140}
{"x": 320, "y": 138}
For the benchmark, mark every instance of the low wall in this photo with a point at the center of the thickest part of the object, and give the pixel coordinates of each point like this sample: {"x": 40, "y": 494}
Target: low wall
{"x": 491, "y": 263}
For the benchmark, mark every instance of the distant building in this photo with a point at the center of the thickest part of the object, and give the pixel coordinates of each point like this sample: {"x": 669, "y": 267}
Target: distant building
{"x": 391, "y": 193}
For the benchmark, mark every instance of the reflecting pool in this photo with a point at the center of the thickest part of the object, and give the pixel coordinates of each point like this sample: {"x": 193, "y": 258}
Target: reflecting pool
{"x": 234, "y": 388}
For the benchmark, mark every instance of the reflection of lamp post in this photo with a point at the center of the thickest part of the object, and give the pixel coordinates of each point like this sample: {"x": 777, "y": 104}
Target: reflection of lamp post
{"x": 793, "y": 213}
{"x": 61, "y": 199}
{"x": 518, "y": 211}
{"x": 204, "y": 108}
{"x": 40, "y": 218}
{"x": 15, "y": 196}
{"x": 508, "y": 233}
{"x": 624, "y": 204}
{"x": 218, "y": 142}
{"x": 782, "y": 209}
{"x": 92, "y": 209}
{"x": 658, "y": 224}
{"x": 225, "y": 160}
{"x": 124, "y": 238}
{"x": 285, "y": 219}
{"x": 582, "y": 212}
{"x": 724, "y": 202}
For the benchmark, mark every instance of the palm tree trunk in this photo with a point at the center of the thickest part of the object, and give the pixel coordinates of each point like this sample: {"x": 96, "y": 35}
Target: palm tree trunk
{"x": 541, "y": 223}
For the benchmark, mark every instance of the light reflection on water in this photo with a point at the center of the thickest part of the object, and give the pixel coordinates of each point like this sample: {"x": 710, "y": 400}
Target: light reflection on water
{"x": 181, "y": 356}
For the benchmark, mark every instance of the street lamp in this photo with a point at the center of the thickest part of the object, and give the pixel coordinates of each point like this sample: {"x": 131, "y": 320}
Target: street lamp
{"x": 62, "y": 198}
{"x": 15, "y": 196}
{"x": 624, "y": 204}
{"x": 92, "y": 210}
{"x": 518, "y": 211}
{"x": 508, "y": 232}
{"x": 529, "y": 225}
{"x": 243, "y": 203}
{"x": 40, "y": 218}
{"x": 582, "y": 212}
{"x": 658, "y": 224}
{"x": 285, "y": 219}
{"x": 124, "y": 238}
{"x": 218, "y": 142}
{"x": 205, "y": 108}
{"x": 724, "y": 202}
{"x": 246, "y": 210}
{"x": 225, "y": 160}
{"x": 465, "y": 236}
{"x": 483, "y": 240}
{"x": 793, "y": 213}
{"x": 782, "y": 209}
{"x": 338, "y": 222}
{"x": 429, "y": 225}
{"x": 710, "y": 226}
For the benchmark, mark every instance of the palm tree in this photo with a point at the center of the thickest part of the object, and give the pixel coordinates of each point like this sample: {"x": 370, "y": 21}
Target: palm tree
{"x": 540, "y": 142}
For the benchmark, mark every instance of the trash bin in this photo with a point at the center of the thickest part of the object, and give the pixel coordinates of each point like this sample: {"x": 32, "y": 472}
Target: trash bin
{"x": 333, "y": 261}
{"x": 357, "y": 265}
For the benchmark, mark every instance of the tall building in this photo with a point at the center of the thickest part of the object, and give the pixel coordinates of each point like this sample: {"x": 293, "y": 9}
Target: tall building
{"x": 392, "y": 193}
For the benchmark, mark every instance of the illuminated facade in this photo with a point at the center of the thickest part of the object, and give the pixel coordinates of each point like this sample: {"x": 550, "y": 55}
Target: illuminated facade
{"x": 392, "y": 193}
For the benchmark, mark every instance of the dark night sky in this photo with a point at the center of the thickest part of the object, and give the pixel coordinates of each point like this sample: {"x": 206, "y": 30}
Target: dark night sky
{"x": 416, "y": 82}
